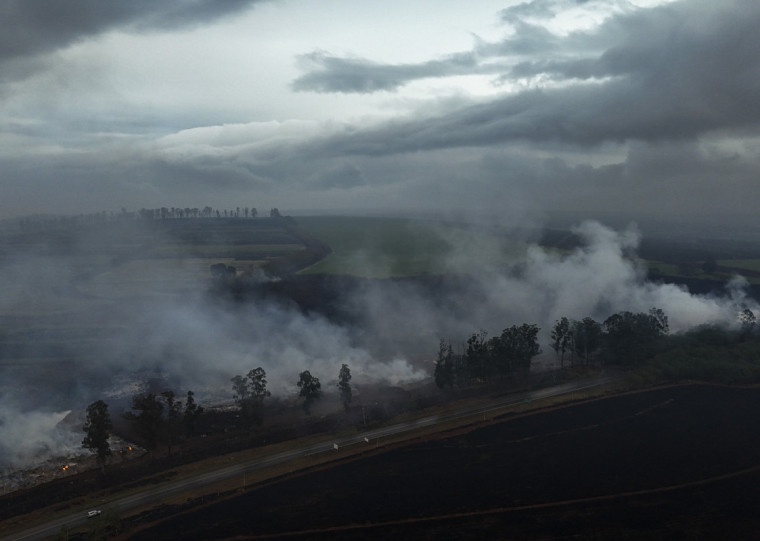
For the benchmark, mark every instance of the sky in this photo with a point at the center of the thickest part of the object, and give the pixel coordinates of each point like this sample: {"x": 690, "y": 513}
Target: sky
{"x": 508, "y": 108}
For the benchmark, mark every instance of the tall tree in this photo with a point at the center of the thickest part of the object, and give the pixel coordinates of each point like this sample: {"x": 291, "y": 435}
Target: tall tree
{"x": 311, "y": 390}
{"x": 172, "y": 422}
{"x": 344, "y": 386}
{"x": 561, "y": 339}
{"x": 477, "y": 355}
{"x": 192, "y": 412}
{"x": 631, "y": 337}
{"x": 249, "y": 392}
{"x": 515, "y": 348}
{"x": 748, "y": 322}
{"x": 587, "y": 337}
{"x": 148, "y": 420}
{"x": 97, "y": 428}
{"x": 444, "y": 374}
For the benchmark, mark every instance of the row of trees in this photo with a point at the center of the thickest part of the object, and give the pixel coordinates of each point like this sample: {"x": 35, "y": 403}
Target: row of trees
{"x": 37, "y": 223}
{"x": 157, "y": 418}
{"x": 250, "y": 390}
{"x": 163, "y": 419}
{"x": 485, "y": 358}
{"x": 624, "y": 338}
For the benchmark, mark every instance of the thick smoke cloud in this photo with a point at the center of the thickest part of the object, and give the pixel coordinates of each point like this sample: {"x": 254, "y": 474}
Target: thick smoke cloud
{"x": 104, "y": 342}
{"x": 596, "y": 280}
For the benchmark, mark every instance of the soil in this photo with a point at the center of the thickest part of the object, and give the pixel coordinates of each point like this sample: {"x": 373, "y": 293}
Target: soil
{"x": 673, "y": 463}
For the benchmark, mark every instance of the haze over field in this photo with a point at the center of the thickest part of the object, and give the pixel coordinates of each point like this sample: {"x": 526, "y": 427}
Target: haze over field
{"x": 511, "y": 108}
{"x": 77, "y": 341}
{"x": 506, "y": 112}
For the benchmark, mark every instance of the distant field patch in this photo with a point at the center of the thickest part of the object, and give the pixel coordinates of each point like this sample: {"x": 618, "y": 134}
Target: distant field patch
{"x": 388, "y": 247}
{"x": 747, "y": 264}
{"x": 152, "y": 277}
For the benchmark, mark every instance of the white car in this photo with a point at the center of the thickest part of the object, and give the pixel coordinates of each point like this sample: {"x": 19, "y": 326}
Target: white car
{"x": 93, "y": 513}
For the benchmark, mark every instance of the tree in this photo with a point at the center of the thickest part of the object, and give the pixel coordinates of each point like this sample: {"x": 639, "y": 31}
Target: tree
{"x": 445, "y": 374}
{"x": 310, "y": 390}
{"x": 748, "y": 322}
{"x": 192, "y": 412}
{"x": 561, "y": 339}
{"x": 172, "y": 423}
{"x": 344, "y": 386}
{"x": 631, "y": 337}
{"x": 149, "y": 419}
{"x": 515, "y": 348}
{"x": 586, "y": 339}
{"x": 249, "y": 392}
{"x": 477, "y": 355}
{"x": 97, "y": 428}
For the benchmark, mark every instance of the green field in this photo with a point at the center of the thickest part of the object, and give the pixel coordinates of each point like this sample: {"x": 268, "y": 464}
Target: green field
{"x": 393, "y": 247}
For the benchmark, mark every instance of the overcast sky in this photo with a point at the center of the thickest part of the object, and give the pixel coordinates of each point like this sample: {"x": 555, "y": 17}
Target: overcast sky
{"x": 643, "y": 107}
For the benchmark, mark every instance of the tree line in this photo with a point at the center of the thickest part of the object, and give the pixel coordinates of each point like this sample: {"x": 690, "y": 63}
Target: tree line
{"x": 157, "y": 418}
{"x": 162, "y": 419}
{"x": 45, "y": 222}
{"x": 486, "y": 358}
{"x": 625, "y": 338}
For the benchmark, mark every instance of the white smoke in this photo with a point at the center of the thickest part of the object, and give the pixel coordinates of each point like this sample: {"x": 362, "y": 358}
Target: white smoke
{"x": 27, "y": 437}
{"x": 197, "y": 343}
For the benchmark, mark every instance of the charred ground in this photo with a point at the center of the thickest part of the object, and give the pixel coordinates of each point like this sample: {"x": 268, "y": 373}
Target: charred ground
{"x": 670, "y": 463}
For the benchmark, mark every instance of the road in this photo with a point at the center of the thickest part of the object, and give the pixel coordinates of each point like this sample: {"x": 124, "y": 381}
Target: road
{"x": 370, "y": 437}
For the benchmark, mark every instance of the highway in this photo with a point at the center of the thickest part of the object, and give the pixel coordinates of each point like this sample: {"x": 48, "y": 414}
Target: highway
{"x": 370, "y": 437}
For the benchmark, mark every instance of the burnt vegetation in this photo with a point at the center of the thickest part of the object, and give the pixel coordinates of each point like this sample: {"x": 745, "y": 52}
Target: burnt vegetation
{"x": 175, "y": 431}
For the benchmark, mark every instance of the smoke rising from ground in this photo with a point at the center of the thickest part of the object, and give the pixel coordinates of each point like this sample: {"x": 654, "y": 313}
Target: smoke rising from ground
{"x": 97, "y": 341}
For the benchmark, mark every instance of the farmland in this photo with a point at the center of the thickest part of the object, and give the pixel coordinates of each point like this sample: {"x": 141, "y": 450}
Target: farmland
{"x": 393, "y": 247}
{"x": 676, "y": 462}
{"x": 83, "y": 309}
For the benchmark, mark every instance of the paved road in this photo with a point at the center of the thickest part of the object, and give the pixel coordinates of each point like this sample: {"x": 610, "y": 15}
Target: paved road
{"x": 370, "y": 437}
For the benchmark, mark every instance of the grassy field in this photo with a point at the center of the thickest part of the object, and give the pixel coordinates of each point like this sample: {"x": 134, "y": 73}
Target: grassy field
{"x": 392, "y": 247}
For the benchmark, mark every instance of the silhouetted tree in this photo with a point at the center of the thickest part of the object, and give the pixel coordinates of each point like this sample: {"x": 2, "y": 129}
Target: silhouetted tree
{"x": 515, "y": 348}
{"x": 310, "y": 390}
{"x": 444, "y": 365}
{"x": 148, "y": 420}
{"x": 192, "y": 412}
{"x": 249, "y": 392}
{"x": 344, "y": 386}
{"x": 172, "y": 422}
{"x": 561, "y": 339}
{"x": 631, "y": 337}
{"x": 586, "y": 339}
{"x": 97, "y": 428}
{"x": 477, "y": 356}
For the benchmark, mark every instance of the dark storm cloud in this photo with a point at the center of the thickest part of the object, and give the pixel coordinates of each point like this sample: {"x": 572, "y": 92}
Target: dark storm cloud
{"x": 674, "y": 72}
{"x": 28, "y": 27}
{"x": 329, "y": 73}
{"x": 334, "y": 74}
